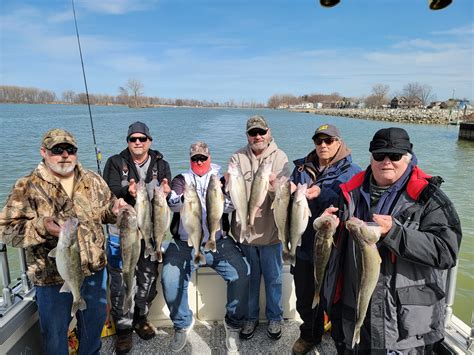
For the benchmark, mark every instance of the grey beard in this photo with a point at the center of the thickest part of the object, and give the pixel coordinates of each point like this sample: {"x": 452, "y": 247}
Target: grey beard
{"x": 62, "y": 171}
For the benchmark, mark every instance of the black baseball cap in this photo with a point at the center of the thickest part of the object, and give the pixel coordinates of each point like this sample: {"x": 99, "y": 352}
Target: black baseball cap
{"x": 391, "y": 140}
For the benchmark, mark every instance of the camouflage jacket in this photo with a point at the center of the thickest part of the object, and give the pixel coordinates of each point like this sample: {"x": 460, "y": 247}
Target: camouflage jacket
{"x": 41, "y": 195}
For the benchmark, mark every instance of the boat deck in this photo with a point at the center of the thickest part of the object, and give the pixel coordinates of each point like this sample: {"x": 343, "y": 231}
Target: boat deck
{"x": 209, "y": 338}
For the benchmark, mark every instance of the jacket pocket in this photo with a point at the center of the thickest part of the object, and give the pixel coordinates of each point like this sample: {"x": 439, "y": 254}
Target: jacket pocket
{"x": 114, "y": 253}
{"x": 419, "y": 309}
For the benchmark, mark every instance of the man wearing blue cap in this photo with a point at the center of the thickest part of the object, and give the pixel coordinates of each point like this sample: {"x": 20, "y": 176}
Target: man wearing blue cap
{"x": 420, "y": 236}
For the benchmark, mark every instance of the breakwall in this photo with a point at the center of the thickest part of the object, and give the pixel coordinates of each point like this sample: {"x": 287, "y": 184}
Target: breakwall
{"x": 421, "y": 116}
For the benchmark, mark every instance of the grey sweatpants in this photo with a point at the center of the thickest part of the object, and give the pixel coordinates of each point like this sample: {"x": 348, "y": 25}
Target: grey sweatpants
{"x": 146, "y": 274}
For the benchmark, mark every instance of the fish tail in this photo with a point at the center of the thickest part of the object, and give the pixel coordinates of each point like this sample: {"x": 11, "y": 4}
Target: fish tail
{"x": 159, "y": 256}
{"x": 80, "y": 305}
{"x": 356, "y": 338}
{"x": 292, "y": 259}
{"x": 199, "y": 259}
{"x": 150, "y": 252}
{"x": 211, "y": 245}
{"x": 315, "y": 300}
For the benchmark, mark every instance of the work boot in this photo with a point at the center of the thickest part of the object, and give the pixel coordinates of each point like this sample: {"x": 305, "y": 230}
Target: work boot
{"x": 301, "y": 347}
{"x": 124, "y": 341}
{"x": 144, "y": 329}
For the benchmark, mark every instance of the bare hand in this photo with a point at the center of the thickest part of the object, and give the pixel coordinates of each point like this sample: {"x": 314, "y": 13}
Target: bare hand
{"x": 292, "y": 187}
{"x": 119, "y": 203}
{"x": 165, "y": 187}
{"x": 132, "y": 188}
{"x": 272, "y": 182}
{"x": 313, "y": 192}
{"x": 331, "y": 211}
{"x": 385, "y": 222}
{"x": 51, "y": 226}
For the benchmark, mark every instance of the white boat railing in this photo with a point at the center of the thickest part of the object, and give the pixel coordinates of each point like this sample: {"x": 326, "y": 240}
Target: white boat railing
{"x": 12, "y": 292}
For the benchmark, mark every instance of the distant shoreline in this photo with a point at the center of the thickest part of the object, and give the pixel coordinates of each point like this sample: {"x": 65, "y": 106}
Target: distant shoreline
{"x": 419, "y": 116}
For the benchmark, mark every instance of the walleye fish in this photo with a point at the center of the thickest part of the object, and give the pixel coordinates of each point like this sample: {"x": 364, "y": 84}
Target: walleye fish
{"x": 161, "y": 219}
{"x": 280, "y": 212}
{"x": 258, "y": 192}
{"x": 365, "y": 238}
{"x": 214, "y": 210}
{"x": 325, "y": 227}
{"x": 191, "y": 215}
{"x": 300, "y": 214}
{"x": 143, "y": 208}
{"x": 238, "y": 195}
{"x": 130, "y": 245}
{"x": 68, "y": 262}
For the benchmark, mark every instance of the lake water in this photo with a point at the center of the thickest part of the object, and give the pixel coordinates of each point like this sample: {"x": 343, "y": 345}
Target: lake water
{"x": 438, "y": 150}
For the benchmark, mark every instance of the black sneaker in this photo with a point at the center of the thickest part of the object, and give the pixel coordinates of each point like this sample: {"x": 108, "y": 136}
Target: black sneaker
{"x": 274, "y": 329}
{"x": 248, "y": 329}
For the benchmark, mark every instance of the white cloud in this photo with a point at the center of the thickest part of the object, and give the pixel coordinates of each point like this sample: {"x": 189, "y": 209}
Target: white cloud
{"x": 117, "y": 7}
{"x": 464, "y": 30}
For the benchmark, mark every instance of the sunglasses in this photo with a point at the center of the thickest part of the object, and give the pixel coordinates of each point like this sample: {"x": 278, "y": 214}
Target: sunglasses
{"x": 134, "y": 139}
{"x": 58, "y": 150}
{"x": 391, "y": 156}
{"x": 328, "y": 141}
{"x": 259, "y": 131}
{"x": 197, "y": 158}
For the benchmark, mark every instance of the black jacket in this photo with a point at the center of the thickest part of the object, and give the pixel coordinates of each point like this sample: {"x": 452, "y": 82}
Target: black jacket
{"x": 407, "y": 306}
{"x": 114, "y": 172}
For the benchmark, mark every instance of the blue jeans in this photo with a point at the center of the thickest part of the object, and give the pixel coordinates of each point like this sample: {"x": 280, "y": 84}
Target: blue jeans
{"x": 228, "y": 261}
{"x": 55, "y": 315}
{"x": 265, "y": 260}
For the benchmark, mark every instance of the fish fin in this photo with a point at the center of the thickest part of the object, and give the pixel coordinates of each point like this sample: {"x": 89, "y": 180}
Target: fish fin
{"x": 82, "y": 304}
{"x": 78, "y": 306}
{"x": 285, "y": 256}
{"x": 356, "y": 338}
{"x": 159, "y": 256}
{"x": 211, "y": 245}
{"x": 190, "y": 243}
{"x": 258, "y": 213}
{"x": 273, "y": 204}
{"x": 65, "y": 288}
{"x": 52, "y": 253}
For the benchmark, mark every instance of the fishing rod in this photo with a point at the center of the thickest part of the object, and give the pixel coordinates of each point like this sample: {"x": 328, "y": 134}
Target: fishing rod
{"x": 98, "y": 154}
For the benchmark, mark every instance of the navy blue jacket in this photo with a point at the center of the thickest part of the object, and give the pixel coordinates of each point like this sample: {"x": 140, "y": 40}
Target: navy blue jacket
{"x": 328, "y": 181}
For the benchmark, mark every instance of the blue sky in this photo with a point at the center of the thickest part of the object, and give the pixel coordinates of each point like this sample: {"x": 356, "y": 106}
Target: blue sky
{"x": 238, "y": 49}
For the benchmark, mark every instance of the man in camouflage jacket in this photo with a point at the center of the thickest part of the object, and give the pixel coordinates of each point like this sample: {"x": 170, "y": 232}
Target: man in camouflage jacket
{"x": 57, "y": 190}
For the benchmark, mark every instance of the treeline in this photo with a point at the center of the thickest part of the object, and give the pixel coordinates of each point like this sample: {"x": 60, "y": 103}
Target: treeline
{"x": 126, "y": 96}
{"x": 379, "y": 96}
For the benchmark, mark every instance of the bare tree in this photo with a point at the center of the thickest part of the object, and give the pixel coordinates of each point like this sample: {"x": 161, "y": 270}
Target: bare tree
{"x": 426, "y": 94}
{"x": 68, "y": 96}
{"x": 379, "y": 95}
{"x": 122, "y": 97}
{"x": 136, "y": 88}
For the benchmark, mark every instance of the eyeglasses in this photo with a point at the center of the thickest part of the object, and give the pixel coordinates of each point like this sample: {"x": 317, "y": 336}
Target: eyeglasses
{"x": 58, "y": 150}
{"x": 328, "y": 141}
{"x": 391, "y": 156}
{"x": 197, "y": 158}
{"x": 134, "y": 139}
{"x": 255, "y": 131}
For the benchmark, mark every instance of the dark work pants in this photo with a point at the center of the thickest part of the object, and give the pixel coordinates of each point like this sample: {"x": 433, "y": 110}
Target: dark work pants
{"x": 312, "y": 328}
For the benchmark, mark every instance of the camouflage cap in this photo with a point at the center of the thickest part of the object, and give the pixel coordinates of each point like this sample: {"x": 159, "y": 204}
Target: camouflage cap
{"x": 199, "y": 148}
{"x": 256, "y": 121}
{"x": 58, "y": 136}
